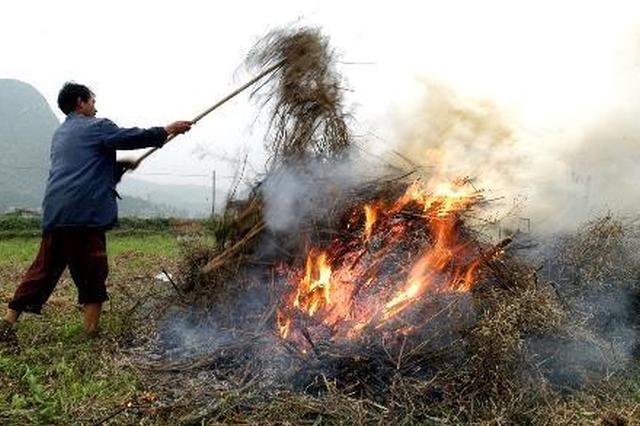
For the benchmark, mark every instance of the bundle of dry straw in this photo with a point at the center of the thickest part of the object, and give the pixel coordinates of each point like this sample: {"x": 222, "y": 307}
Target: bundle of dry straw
{"x": 306, "y": 122}
{"x": 307, "y": 117}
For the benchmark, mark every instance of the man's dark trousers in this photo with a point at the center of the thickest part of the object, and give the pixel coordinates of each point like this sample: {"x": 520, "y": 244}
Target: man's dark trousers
{"x": 83, "y": 250}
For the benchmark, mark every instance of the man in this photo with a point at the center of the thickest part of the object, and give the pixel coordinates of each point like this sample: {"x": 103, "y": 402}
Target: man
{"x": 79, "y": 206}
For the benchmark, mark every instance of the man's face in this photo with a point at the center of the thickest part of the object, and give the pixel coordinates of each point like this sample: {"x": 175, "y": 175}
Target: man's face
{"x": 87, "y": 108}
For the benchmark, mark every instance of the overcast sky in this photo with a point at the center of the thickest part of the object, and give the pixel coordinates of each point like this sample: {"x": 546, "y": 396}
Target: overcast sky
{"x": 549, "y": 64}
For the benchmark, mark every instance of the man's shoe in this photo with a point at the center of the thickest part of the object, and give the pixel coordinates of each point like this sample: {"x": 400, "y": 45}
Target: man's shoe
{"x": 7, "y": 334}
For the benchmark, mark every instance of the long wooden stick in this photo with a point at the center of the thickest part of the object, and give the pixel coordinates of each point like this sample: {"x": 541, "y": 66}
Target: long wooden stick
{"x": 216, "y": 105}
{"x": 223, "y": 257}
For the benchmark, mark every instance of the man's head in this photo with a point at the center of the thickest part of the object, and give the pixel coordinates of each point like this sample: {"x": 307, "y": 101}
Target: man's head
{"x": 77, "y": 98}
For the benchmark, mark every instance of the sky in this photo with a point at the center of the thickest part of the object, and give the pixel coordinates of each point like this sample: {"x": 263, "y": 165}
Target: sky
{"x": 552, "y": 67}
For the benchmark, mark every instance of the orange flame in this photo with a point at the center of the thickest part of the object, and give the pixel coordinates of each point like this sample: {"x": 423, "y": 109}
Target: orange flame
{"x": 344, "y": 293}
{"x": 421, "y": 275}
{"x": 371, "y": 215}
{"x": 284, "y": 324}
{"x": 314, "y": 290}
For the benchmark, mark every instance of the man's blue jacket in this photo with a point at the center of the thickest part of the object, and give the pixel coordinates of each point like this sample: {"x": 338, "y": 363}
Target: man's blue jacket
{"x": 81, "y": 189}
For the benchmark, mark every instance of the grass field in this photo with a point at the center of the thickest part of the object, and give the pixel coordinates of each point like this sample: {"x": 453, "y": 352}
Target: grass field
{"x": 58, "y": 376}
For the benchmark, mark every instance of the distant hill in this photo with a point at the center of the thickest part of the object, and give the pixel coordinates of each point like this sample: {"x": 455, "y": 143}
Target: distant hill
{"x": 27, "y": 123}
{"x": 195, "y": 200}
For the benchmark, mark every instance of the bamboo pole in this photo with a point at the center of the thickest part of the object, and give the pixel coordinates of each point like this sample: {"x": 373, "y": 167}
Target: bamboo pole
{"x": 215, "y": 106}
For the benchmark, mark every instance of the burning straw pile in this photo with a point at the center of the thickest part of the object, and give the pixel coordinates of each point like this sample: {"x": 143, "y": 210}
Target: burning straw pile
{"x": 307, "y": 123}
{"x": 387, "y": 308}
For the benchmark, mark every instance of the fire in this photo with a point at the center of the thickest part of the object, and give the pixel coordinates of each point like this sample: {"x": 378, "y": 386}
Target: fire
{"x": 445, "y": 199}
{"x": 284, "y": 324}
{"x": 314, "y": 290}
{"x": 370, "y": 215}
{"x": 355, "y": 285}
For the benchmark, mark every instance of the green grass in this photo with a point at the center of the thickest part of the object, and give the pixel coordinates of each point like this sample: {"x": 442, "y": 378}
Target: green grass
{"x": 14, "y": 225}
{"x": 18, "y": 250}
{"x": 22, "y": 250}
{"x": 59, "y": 376}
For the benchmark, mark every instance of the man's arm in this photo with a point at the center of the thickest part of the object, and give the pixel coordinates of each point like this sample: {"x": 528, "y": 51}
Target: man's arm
{"x": 135, "y": 138}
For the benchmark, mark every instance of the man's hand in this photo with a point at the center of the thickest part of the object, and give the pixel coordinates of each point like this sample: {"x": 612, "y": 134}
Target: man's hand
{"x": 178, "y": 127}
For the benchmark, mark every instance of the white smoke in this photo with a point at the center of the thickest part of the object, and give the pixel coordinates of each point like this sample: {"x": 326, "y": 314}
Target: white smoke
{"x": 565, "y": 177}
{"x": 294, "y": 194}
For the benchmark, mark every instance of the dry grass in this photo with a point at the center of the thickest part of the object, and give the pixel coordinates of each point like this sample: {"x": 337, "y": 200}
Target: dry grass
{"x": 306, "y": 118}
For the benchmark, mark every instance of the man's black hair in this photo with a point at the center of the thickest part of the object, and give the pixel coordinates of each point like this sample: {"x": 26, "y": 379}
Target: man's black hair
{"x": 69, "y": 94}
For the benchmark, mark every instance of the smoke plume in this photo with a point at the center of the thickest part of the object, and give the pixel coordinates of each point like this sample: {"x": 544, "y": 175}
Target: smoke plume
{"x": 564, "y": 177}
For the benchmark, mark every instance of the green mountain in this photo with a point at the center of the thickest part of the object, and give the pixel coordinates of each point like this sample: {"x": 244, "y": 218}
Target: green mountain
{"x": 27, "y": 123}
{"x": 193, "y": 200}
